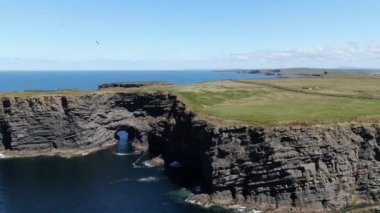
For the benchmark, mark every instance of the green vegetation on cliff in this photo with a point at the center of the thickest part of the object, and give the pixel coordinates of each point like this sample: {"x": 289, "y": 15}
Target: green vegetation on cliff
{"x": 45, "y": 92}
{"x": 334, "y": 97}
{"x": 329, "y": 98}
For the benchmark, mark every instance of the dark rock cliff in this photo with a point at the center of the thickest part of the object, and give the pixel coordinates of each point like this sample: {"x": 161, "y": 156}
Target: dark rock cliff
{"x": 59, "y": 122}
{"x": 314, "y": 167}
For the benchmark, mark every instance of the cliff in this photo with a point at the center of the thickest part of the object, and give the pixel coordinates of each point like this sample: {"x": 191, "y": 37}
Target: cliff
{"x": 71, "y": 122}
{"x": 315, "y": 168}
{"x": 319, "y": 167}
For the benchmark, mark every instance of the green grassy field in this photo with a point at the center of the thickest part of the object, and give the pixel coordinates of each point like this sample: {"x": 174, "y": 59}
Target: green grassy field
{"x": 321, "y": 70}
{"x": 334, "y": 97}
{"x": 330, "y": 98}
{"x": 248, "y": 102}
{"x": 338, "y": 84}
{"x": 46, "y": 92}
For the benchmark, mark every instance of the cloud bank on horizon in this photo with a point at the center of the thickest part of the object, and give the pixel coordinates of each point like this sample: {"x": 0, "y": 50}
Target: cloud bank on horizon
{"x": 211, "y": 34}
{"x": 350, "y": 54}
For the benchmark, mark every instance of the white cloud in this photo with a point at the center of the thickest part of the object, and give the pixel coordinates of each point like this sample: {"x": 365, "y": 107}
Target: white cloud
{"x": 350, "y": 54}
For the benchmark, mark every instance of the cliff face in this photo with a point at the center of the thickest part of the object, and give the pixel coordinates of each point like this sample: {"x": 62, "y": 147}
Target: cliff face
{"x": 316, "y": 167}
{"x": 59, "y": 122}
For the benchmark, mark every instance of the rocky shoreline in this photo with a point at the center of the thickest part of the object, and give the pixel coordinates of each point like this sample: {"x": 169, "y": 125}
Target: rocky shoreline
{"x": 65, "y": 153}
{"x": 282, "y": 168}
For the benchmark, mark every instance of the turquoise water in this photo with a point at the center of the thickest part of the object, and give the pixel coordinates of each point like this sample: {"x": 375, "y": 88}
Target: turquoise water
{"x": 41, "y": 80}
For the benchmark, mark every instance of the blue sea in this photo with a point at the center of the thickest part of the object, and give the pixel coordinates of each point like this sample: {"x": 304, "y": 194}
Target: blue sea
{"x": 89, "y": 80}
{"x": 99, "y": 182}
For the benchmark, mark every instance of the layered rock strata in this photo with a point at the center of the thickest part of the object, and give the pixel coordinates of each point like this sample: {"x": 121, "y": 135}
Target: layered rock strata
{"x": 317, "y": 167}
{"x": 66, "y": 122}
{"x": 320, "y": 167}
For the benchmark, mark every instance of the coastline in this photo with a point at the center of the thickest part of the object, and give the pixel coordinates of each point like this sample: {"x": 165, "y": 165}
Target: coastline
{"x": 206, "y": 201}
{"x": 64, "y": 152}
{"x": 279, "y": 168}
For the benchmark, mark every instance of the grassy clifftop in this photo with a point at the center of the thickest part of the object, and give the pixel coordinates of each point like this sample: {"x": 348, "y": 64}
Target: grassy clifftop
{"x": 45, "y": 92}
{"x": 330, "y": 98}
{"x": 334, "y": 97}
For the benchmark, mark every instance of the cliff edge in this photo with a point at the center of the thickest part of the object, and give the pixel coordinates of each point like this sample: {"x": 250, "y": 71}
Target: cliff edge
{"x": 318, "y": 167}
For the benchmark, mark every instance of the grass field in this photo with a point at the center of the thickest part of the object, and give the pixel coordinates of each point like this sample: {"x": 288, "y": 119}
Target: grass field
{"x": 321, "y": 70}
{"x": 334, "y": 97}
{"x": 330, "y": 98}
{"x": 262, "y": 103}
{"x": 338, "y": 84}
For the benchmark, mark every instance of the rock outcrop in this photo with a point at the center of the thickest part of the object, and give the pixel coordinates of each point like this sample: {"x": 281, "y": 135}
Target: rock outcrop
{"x": 314, "y": 168}
{"x": 317, "y": 167}
{"x": 67, "y": 122}
{"x": 132, "y": 84}
{"x": 320, "y": 167}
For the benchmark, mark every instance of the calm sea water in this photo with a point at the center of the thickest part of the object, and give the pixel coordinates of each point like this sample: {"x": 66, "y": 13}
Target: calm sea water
{"x": 30, "y": 80}
{"x": 100, "y": 182}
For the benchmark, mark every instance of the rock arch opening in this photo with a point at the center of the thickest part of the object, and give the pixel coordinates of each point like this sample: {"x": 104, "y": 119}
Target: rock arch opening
{"x": 123, "y": 145}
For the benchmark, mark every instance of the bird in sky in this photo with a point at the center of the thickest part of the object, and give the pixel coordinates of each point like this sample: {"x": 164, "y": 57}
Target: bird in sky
{"x": 97, "y": 42}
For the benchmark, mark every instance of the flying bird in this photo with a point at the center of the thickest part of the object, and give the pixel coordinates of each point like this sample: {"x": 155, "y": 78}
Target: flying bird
{"x": 97, "y": 42}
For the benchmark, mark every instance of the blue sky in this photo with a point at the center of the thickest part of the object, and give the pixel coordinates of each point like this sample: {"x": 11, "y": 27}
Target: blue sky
{"x": 192, "y": 34}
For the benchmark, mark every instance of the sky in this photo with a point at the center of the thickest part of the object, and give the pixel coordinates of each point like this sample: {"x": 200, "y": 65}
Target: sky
{"x": 188, "y": 34}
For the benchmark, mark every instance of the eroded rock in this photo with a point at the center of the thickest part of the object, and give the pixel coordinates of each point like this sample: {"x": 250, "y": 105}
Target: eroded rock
{"x": 322, "y": 167}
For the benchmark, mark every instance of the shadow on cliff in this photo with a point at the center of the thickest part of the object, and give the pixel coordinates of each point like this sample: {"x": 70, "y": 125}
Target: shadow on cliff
{"x": 7, "y": 137}
{"x": 185, "y": 156}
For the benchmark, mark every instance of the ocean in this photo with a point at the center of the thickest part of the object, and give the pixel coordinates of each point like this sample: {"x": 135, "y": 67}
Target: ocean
{"x": 89, "y": 80}
{"x": 98, "y": 182}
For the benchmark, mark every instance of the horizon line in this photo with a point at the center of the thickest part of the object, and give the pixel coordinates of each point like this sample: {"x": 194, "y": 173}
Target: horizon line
{"x": 195, "y": 69}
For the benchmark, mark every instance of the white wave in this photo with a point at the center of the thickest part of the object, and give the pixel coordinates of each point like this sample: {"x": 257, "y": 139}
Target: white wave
{"x": 239, "y": 208}
{"x": 255, "y": 211}
{"x": 148, "y": 164}
{"x": 147, "y": 179}
{"x": 3, "y": 156}
{"x": 127, "y": 153}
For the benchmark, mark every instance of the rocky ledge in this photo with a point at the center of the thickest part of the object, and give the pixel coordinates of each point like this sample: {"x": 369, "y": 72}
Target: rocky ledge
{"x": 132, "y": 84}
{"x": 291, "y": 168}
